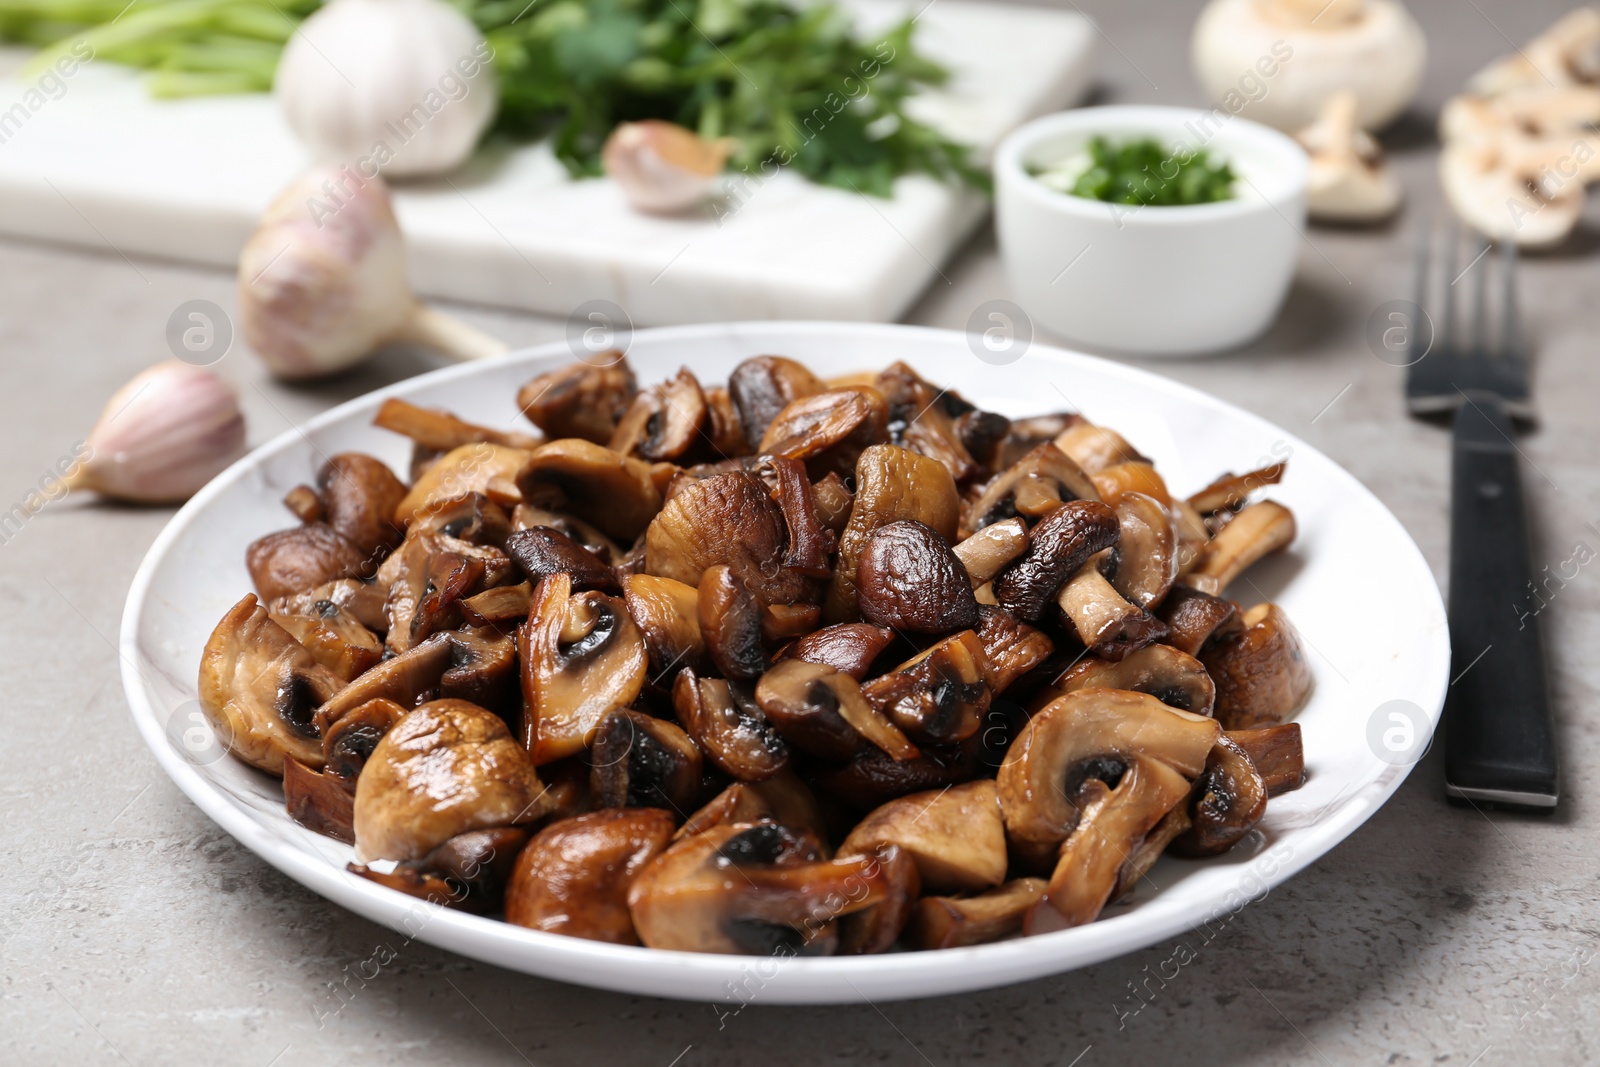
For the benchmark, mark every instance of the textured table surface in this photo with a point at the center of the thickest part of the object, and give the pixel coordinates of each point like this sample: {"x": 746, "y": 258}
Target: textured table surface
{"x": 134, "y": 931}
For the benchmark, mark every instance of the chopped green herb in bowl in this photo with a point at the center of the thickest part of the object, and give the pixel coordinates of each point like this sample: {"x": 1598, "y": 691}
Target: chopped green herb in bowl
{"x": 1143, "y": 172}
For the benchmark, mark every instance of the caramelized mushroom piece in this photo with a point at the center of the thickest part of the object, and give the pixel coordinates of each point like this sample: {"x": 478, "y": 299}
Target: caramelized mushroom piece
{"x": 643, "y": 762}
{"x": 484, "y": 467}
{"x": 348, "y": 741}
{"x": 482, "y": 668}
{"x": 667, "y": 613}
{"x": 446, "y": 768}
{"x": 359, "y": 497}
{"x": 579, "y": 400}
{"x": 848, "y": 647}
{"x": 730, "y": 622}
{"x": 730, "y": 519}
{"x": 991, "y": 548}
{"x": 665, "y": 421}
{"x": 1146, "y": 556}
{"x": 472, "y": 517}
{"x": 1172, "y": 677}
{"x": 1193, "y": 618}
{"x": 526, "y": 517}
{"x": 822, "y": 711}
{"x": 334, "y": 638}
{"x": 1104, "y": 621}
{"x": 1257, "y": 531}
{"x": 1059, "y": 547}
{"x": 1094, "y": 448}
{"x": 440, "y": 431}
{"x": 955, "y": 922}
{"x": 1026, "y": 435}
{"x": 1010, "y": 648}
{"x": 908, "y": 579}
{"x": 832, "y": 501}
{"x": 300, "y": 558}
{"x": 876, "y": 929}
{"x": 260, "y": 688}
{"x": 723, "y": 430}
{"x": 1229, "y": 798}
{"x": 617, "y": 493}
{"x": 505, "y": 603}
{"x": 810, "y": 542}
{"x": 955, "y": 836}
{"x": 782, "y": 798}
{"x": 304, "y": 502}
{"x": 983, "y": 433}
{"x": 428, "y": 577}
{"x": 828, "y": 430}
{"x": 1032, "y": 487}
{"x": 872, "y": 777}
{"x": 364, "y": 601}
{"x": 1120, "y": 479}
{"x": 729, "y": 726}
{"x": 1262, "y": 675}
{"x": 318, "y": 801}
{"x": 468, "y": 872}
{"x": 1277, "y": 753}
{"x": 920, "y": 422}
{"x": 406, "y": 679}
{"x": 1231, "y": 490}
{"x": 750, "y": 888}
{"x": 543, "y": 551}
{"x": 573, "y": 877}
{"x": 939, "y": 696}
{"x": 762, "y": 387}
{"x": 582, "y": 656}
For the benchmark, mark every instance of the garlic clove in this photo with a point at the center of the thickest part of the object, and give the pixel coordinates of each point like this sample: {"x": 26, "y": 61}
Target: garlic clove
{"x": 162, "y": 436}
{"x": 663, "y": 168}
{"x": 1349, "y": 179}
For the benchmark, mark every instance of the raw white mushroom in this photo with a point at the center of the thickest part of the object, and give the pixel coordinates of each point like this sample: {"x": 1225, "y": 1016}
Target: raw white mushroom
{"x": 1566, "y": 54}
{"x": 1349, "y": 179}
{"x": 1506, "y": 188}
{"x": 401, "y": 87}
{"x": 663, "y": 168}
{"x": 1278, "y": 61}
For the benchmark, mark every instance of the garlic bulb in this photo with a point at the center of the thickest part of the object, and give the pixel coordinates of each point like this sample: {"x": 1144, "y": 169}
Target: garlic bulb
{"x": 663, "y": 168}
{"x": 162, "y": 436}
{"x": 404, "y": 87}
{"x": 322, "y": 281}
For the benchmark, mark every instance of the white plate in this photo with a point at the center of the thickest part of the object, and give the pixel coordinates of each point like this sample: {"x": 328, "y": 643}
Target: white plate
{"x": 1354, "y": 583}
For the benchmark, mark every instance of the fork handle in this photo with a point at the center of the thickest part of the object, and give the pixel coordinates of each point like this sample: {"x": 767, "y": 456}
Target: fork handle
{"x": 1499, "y": 739}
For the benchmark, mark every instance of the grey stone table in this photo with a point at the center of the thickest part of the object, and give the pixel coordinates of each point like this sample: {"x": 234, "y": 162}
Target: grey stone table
{"x": 134, "y": 931}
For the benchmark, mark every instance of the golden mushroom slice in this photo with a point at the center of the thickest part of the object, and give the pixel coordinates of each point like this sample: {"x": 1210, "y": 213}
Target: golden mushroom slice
{"x": 920, "y": 413}
{"x": 822, "y": 711}
{"x": 468, "y": 872}
{"x": 1277, "y": 753}
{"x": 665, "y": 421}
{"x": 1010, "y": 648}
{"x": 640, "y": 761}
{"x": 1145, "y": 563}
{"x": 1262, "y": 675}
{"x": 955, "y": 836}
{"x": 1194, "y": 618}
{"x": 579, "y": 400}
{"x": 1036, "y": 484}
{"x": 260, "y": 688}
{"x": 573, "y": 877}
{"x": 849, "y": 647}
{"x": 1254, "y": 533}
{"x": 761, "y": 387}
{"x": 954, "y": 922}
{"x": 1172, "y": 677}
{"x": 828, "y": 430}
{"x": 730, "y": 520}
{"x": 783, "y": 798}
{"x": 348, "y": 741}
{"x": 729, "y": 726}
{"x": 334, "y": 638}
{"x": 667, "y": 613}
{"x": 482, "y": 467}
{"x": 446, "y": 768}
{"x": 616, "y": 493}
{"x": 876, "y": 929}
{"x": 1094, "y": 448}
{"x": 1229, "y": 798}
{"x": 940, "y": 695}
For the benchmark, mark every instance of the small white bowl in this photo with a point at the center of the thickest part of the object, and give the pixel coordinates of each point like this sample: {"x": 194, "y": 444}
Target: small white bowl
{"x": 1152, "y": 281}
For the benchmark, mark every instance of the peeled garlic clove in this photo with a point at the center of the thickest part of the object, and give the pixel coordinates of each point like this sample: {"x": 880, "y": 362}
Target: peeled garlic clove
{"x": 663, "y": 168}
{"x": 162, "y": 436}
{"x": 322, "y": 281}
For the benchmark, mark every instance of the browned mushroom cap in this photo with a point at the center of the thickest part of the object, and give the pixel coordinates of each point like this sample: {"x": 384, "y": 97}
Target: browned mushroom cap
{"x": 359, "y": 498}
{"x": 640, "y": 761}
{"x": 544, "y": 550}
{"x": 1027, "y": 434}
{"x": 1277, "y": 753}
{"x": 1146, "y": 556}
{"x": 468, "y": 872}
{"x": 334, "y": 638}
{"x": 729, "y": 726}
{"x": 260, "y": 689}
{"x": 1083, "y": 737}
{"x": 665, "y": 421}
{"x": 762, "y": 387}
{"x": 579, "y": 400}
{"x": 822, "y": 711}
{"x": 1229, "y": 798}
{"x": 1194, "y": 618}
{"x": 984, "y": 435}
{"x": 300, "y": 558}
{"x": 1257, "y": 531}
{"x": 921, "y": 422}
{"x": 755, "y": 889}
{"x": 1094, "y": 448}
{"x": 892, "y": 484}
{"x": 428, "y": 577}
{"x": 482, "y": 667}
{"x": 320, "y": 802}
{"x": 724, "y": 432}
{"x": 877, "y": 928}
{"x": 473, "y": 518}
{"x": 439, "y": 431}
{"x": 783, "y": 798}
{"x": 667, "y": 613}
{"x": 850, "y": 647}
{"x": 832, "y": 500}
{"x": 1033, "y": 486}
{"x": 1262, "y": 675}
{"x": 574, "y": 876}
{"x": 1058, "y": 548}
{"x": 828, "y": 430}
{"x": 730, "y": 519}
{"x": 872, "y": 777}
{"x": 730, "y": 622}
{"x": 348, "y": 741}
{"x": 484, "y": 467}
{"x": 954, "y": 922}
{"x": 938, "y": 696}
{"x": 526, "y": 517}
{"x": 985, "y": 552}
{"x": 582, "y": 656}
{"x": 908, "y": 579}
{"x": 1172, "y": 677}
{"x": 955, "y": 836}
{"x": 810, "y": 542}
{"x": 617, "y": 493}
{"x": 1104, "y": 621}
{"x": 1010, "y": 648}
{"x": 446, "y": 768}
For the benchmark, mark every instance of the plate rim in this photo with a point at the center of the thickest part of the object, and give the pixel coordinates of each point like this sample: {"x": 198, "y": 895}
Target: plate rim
{"x": 652, "y": 972}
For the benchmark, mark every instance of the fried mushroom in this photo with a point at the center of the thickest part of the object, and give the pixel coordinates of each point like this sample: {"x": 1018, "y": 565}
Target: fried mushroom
{"x": 579, "y": 400}
{"x": 1172, "y": 677}
{"x": 848, "y": 647}
{"x": 763, "y": 386}
{"x": 1262, "y": 675}
{"x": 1229, "y": 799}
{"x": 728, "y": 724}
{"x": 573, "y": 877}
{"x": 729, "y": 520}
{"x": 616, "y": 493}
{"x": 360, "y": 495}
{"x": 292, "y": 561}
{"x": 1058, "y": 547}
{"x": 955, "y": 922}
{"x": 955, "y": 836}
{"x": 822, "y": 711}
{"x": 639, "y": 761}
{"x": 938, "y": 696}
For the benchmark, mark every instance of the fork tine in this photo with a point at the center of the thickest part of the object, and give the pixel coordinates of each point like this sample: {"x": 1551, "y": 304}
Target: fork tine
{"x": 1447, "y": 313}
{"x": 1511, "y": 343}
{"x": 1424, "y": 253}
{"x": 1480, "y": 301}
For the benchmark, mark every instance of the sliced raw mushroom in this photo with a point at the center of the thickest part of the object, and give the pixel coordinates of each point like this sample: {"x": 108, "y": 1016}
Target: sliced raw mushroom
{"x": 1109, "y": 625}
{"x": 617, "y": 493}
{"x": 908, "y": 579}
{"x": 920, "y": 422}
{"x": 573, "y": 877}
{"x": 783, "y": 798}
{"x": 849, "y": 647}
{"x": 1010, "y": 648}
{"x": 876, "y": 929}
{"x": 360, "y": 495}
{"x": 260, "y": 688}
{"x": 665, "y": 421}
{"x": 822, "y": 711}
{"x": 1115, "y": 481}
{"x": 667, "y": 613}
{"x": 1349, "y": 180}
{"x": 955, "y": 922}
{"x": 991, "y": 548}
{"x": 334, "y": 638}
{"x": 582, "y": 656}
{"x": 1172, "y": 677}
{"x": 1146, "y": 557}
{"x": 484, "y": 467}
{"x": 829, "y": 430}
{"x": 440, "y": 431}
{"x": 810, "y": 543}
{"x": 348, "y": 741}
{"x": 1509, "y": 188}
{"x": 1228, "y": 801}
{"x": 750, "y": 888}
{"x": 1262, "y": 675}
{"x": 473, "y": 518}
{"x": 318, "y": 801}
{"x": 446, "y": 768}
{"x": 1094, "y": 448}
{"x": 1255, "y": 532}
{"x": 762, "y": 387}
{"x": 1059, "y": 547}
{"x": 469, "y": 872}
{"x": 302, "y": 557}
{"x": 1032, "y": 487}
{"x": 643, "y": 762}
{"x": 1194, "y": 618}
{"x": 732, "y": 520}
{"x": 1567, "y": 53}
{"x": 955, "y": 836}
{"x": 939, "y": 696}
{"x": 544, "y": 550}
{"x": 1277, "y": 753}
{"x": 729, "y": 726}
{"x": 730, "y": 623}
{"x": 579, "y": 400}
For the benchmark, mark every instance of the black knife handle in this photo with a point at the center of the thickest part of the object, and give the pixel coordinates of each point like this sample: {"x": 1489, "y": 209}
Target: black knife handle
{"x": 1499, "y": 738}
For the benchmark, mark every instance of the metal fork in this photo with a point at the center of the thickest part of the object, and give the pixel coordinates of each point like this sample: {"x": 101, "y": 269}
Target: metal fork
{"x": 1499, "y": 740}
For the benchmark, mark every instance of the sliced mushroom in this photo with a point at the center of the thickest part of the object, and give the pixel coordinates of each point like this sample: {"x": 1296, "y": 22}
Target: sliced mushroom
{"x": 1173, "y": 824}
{"x": 334, "y": 638}
{"x": 724, "y": 431}
{"x": 446, "y": 768}
{"x": 955, "y": 836}
{"x": 428, "y": 577}
{"x": 1349, "y": 180}
{"x": 822, "y": 711}
{"x": 810, "y": 542}
{"x": 892, "y": 484}
{"x": 319, "y": 802}
{"x": 872, "y": 777}
{"x": 573, "y": 877}
{"x": 1262, "y": 675}
{"x": 729, "y": 726}
{"x": 300, "y": 558}
{"x": 1146, "y": 556}
{"x": 441, "y": 431}
{"x": 1172, "y": 677}
{"x": 730, "y": 622}
{"x": 665, "y": 421}
{"x": 984, "y": 434}
{"x": 544, "y": 550}
{"x": 1193, "y": 618}
{"x": 348, "y": 741}
{"x": 506, "y": 603}
{"x": 1193, "y": 535}
{"x": 667, "y": 613}
{"x": 643, "y": 762}
{"x": 939, "y": 696}
{"x": 1094, "y": 448}
{"x": 1010, "y": 648}
{"x": 762, "y": 387}
{"x": 919, "y": 421}
{"x": 1229, "y": 799}
{"x": 750, "y": 888}
{"x": 526, "y": 517}
{"x": 876, "y": 929}
{"x": 849, "y": 647}
{"x": 484, "y": 467}
{"x": 828, "y": 430}
{"x": 832, "y": 501}
{"x": 304, "y": 502}
{"x": 359, "y": 497}
{"x": 1032, "y": 487}
{"x": 579, "y": 400}
{"x": 617, "y": 493}
{"x": 363, "y": 600}
{"x": 260, "y": 689}
{"x": 472, "y": 517}
{"x": 732, "y": 520}
{"x": 1566, "y": 53}
{"x": 955, "y": 922}
{"x": 784, "y": 622}
{"x": 1232, "y": 490}
{"x": 1509, "y": 187}
{"x": 482, "y": 668}
{"x": 1105, "y": 622}
{"x": 1132, "y": 477}
{"x": 582, "y": 656}
{"x": 469, "y": 872}
{"x": 783, "y": 798}
{"x": 1026, "y": 435}
{"x": 991, "y": 548}
{"x": 909, "y": 580}
{"x": 406, "y": 679}
{"x": 1277, "y": 753}
{"x": 1058, "y": 548}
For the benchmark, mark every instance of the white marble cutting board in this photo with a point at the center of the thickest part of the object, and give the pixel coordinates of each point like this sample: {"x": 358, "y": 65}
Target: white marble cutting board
{"x": 105, "y": 166}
